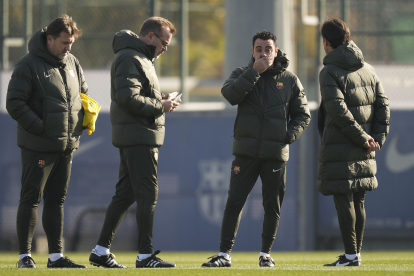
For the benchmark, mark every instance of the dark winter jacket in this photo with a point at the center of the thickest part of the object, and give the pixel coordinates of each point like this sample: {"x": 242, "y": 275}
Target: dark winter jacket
{"x": 136, "y": 110}
{"x": 354, "y": 107}
{"x": 272, "y": 110}
{"x": 44, "y": 98}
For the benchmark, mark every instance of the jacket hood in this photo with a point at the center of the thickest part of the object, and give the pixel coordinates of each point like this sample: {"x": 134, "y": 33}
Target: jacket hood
{"x": 347, "y": 56}
{"x": 128, "y": 39}
{"x": 280, "y": 63}
{"x": 37, "y": 46}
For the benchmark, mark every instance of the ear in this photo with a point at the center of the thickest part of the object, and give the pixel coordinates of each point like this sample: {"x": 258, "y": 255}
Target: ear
{"x": 252, "y": 50}
{"x": 49, "y": 39}
{"x": 150, "y": 36}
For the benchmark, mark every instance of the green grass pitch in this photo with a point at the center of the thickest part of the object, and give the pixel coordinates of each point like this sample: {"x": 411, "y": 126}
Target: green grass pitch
{"x": 376, "y": 263}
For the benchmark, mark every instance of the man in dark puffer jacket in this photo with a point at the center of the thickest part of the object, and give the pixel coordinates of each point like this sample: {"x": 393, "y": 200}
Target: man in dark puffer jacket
{"x": 137, "y": 115}
{"x": 44, "y": 98}
{"x": 353, "y": 123}
{"x": 272, "y": 113}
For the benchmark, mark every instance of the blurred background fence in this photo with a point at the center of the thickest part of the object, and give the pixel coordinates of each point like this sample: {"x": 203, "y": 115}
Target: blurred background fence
{"x": 214, "y": 37}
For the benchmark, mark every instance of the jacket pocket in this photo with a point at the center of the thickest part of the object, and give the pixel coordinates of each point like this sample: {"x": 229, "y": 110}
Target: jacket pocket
{"x": 280, "y": 111}
{"x": 55, "y": 125}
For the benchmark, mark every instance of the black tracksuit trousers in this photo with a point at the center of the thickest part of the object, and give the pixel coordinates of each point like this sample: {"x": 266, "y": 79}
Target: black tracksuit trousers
{"x": 50, "y": 180}
{"x": 137, "y": 183}
{"x": 244, "y": 173}
{"x": 351, "y": 217}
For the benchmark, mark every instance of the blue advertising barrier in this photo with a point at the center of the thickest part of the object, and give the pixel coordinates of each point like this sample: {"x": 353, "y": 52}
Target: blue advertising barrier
{"x": 389, "y": 208}
{"x": 193, "y": 173}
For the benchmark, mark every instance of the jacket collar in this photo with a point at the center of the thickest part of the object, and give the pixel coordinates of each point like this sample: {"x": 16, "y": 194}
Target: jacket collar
{"x": 37, "y": 46}
{"x": 128, "y": 39}
{"x": 347, "y": 56}
{"x": 280, "y": 63}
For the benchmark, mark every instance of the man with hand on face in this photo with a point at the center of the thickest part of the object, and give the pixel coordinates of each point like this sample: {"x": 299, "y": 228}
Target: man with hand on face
{"x": 272, "y": 113}
{"x": 137, "y": 114}
{"x": 44, "y": 98}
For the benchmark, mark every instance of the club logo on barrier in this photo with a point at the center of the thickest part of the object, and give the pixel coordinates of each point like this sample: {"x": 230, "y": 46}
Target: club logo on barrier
{"x": 279, "y": 85}
{"x": 236, "y": 170}
{"x": 41, "y": 163}
{"x": 212, "y": 191}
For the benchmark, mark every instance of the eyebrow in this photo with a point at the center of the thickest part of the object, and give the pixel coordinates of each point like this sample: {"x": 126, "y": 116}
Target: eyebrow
{"x": 261, "y": 47}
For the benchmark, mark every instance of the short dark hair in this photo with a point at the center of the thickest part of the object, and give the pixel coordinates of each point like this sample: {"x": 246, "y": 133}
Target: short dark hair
{"x": 265, "y": 36}
{"x": 336, "y": 32}
{"x": 155, "y": 24}
{"x": 63, "y": 24}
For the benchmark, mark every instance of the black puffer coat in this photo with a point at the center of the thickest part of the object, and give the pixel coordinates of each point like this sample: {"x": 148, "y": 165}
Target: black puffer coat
{"x": 354, "y": 107}
{"x": 136, "y": 110}
{"x": 272, "y": 110}
{"x": 44, "y": 98}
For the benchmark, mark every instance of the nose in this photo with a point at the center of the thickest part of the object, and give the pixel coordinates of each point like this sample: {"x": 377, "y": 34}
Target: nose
{"x": 69, "y": 47}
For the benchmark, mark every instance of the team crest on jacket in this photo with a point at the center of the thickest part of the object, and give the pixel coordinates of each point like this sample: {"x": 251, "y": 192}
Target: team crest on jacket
{"x": 41, "y": 163}
{"x": 236, "y": 169}
{"x": 279, "y": 85}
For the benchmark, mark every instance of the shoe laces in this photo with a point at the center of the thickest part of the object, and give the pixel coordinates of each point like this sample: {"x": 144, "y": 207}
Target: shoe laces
{"x": 25, "y": 260}
{"x": 340, "y": 257}
{"x": 214, "y": 258}
{"x": 153, "y": 256}
{"x": 267, "y": 258}
{"x": 68, "y": 260}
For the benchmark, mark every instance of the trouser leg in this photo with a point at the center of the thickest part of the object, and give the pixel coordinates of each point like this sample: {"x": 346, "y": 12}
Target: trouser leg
{"x": 144, "y": 161}
{"x": 359, "y": 205}
{"x": 241, "y": 183}
{"x": 54, "y": 195}
{"x": 346, "y": 216}
{"x": 121, "y": 201}
{"x": 137, "y": 182}
{"x": 273, "y": 176}
{"x": 34, "y": 178}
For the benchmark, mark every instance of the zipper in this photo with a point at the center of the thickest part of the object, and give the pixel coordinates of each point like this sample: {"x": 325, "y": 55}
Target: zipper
{"x": 65, "y": 82}
{"x": 262, "y": 116}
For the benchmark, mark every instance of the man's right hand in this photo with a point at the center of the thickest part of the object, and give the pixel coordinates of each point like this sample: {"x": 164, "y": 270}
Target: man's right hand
{"x": 262, "y": 64}
{"x": 371, "y": 145}
{"x": 169, "y": 105}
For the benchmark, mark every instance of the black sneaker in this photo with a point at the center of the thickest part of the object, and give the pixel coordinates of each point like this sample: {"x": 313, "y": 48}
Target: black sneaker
{"x": 63, "y": 262}
{"x": 217, "y": 261}
{"x": 343, "y": 261}
{"x": 266, "y": 261}
{"x": 26, "y": 262}
{"x": 153, "y": 262}
{"x": 104, "y": 260}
